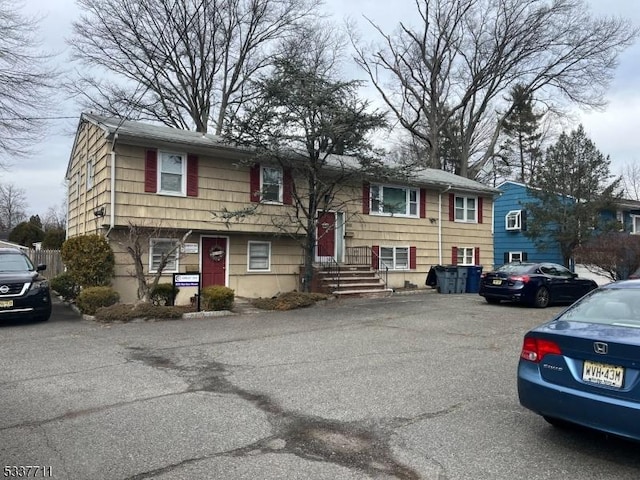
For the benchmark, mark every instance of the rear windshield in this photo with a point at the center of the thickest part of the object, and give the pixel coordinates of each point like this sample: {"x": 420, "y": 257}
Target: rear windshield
{"x": 515, "y": 268}
{"x": 14, "y": 262}
{"x": 611, "y": 306}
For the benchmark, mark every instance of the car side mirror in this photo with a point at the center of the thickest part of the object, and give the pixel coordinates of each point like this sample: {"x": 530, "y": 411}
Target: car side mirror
{"x": 574, "y": 275}
{"x": 41, "y": 267}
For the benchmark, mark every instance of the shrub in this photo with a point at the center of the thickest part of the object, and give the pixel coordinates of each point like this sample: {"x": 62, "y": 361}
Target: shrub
{"x": 89, "y": 259}
{"x": 217, "y": 297}
{"x": 65, "y": 286}
{"x": 92, "y": 298}
{"x": 125, "y": 312}
{"x": 289, "y": 301}
{"x": 163, "y": 294}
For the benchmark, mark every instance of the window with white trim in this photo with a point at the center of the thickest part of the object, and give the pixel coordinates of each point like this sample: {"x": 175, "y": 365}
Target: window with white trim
{"x": 390, "y": 200}
{"x": 172, "y": 173}
{"x": 513, "y": 220}
{"x": 395, "y": 258}
{"x": 515, "y": 257}
{"x": 259, "y": 256}
{"x": 160, "y": 248}
{"x": 635, "y": 224}
{"x": 466, "y": 209}
{"x": 271, "y": 184}
{"x": 466, "y": 256}
{"x": 90, "y": 172}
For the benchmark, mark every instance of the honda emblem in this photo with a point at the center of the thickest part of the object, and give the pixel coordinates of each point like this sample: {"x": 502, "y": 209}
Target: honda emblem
{"x": 601, "y": 348}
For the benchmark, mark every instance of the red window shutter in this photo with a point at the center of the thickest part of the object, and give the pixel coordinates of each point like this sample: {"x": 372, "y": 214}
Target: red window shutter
{"x": 365, "y": 198}
{"x": 287, "y": 186}
{"x": 454, "y": 255}
{"x": 479, "y": 209}
{"x": 192, "y": 175}
{"x": 375, "y": 257}
{"x": 452, "y": 207}
{"x": 423, "y": 203}
{"x": 412, "y": 258}
{"x": 476, "y": 254}
{"x": 254, "y": 182}
{"x": 151, "y": 171}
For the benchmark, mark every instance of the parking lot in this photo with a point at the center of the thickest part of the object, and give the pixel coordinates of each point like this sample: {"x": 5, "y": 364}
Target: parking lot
{"x": 411, "y": 387}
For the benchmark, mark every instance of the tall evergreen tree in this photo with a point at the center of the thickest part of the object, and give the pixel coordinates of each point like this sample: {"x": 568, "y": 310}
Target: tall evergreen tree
{"x": 571, "y": 187}
{"x": 521, "y": 148}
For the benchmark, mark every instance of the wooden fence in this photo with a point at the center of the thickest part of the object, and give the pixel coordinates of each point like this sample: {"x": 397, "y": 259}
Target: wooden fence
{"x": 51, "y": 258}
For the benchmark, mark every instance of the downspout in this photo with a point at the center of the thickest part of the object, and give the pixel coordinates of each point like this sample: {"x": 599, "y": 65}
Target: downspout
{"x": 112, "y": 212}
{"x": 440, "y": 223}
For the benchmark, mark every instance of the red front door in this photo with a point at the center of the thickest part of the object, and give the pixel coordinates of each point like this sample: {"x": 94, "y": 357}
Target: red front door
{"x": 326, "y": 235}
{"x": 214, "y": 261}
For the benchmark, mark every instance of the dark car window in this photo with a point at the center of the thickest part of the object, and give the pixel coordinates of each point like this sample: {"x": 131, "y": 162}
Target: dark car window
{"x": 14, "y": 263}
{"x": 556, "y": 270}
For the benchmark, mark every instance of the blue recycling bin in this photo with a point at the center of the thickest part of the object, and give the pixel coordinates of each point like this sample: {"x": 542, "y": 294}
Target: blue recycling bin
{"x": 473, "y": 278}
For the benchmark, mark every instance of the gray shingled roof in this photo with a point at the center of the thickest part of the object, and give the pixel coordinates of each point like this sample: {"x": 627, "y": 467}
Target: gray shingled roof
{"x": 130, "y": 130}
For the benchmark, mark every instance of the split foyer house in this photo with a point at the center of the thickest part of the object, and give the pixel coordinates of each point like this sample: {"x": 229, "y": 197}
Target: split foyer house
{"x": 124, "y": 173}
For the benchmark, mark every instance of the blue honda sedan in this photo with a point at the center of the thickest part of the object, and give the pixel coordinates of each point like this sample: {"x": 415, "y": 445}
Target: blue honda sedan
{"x": 583, "y": 367}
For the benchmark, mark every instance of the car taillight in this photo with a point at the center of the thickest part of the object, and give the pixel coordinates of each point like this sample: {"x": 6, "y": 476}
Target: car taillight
{"x": 534, "y": 349}
{"x": 519, "y": 278}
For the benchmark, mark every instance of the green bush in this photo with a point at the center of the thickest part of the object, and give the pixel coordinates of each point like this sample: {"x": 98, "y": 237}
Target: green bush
{"x": 289, "y": 301}
{"x": 125, "y": 312}
{"x": 163, "y": 294}
{"x": 89, "y": 259}
{"x": 65, "y": 286}
{"x": 217, "y": 297}
{"x": 92, "y": 298}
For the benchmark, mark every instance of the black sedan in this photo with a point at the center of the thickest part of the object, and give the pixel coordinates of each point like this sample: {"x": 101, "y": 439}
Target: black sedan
{"x": 536, "y": 284}
{"x": 582, "y": 367}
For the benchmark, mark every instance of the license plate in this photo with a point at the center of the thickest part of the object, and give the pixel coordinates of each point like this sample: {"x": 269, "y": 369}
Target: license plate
{"x": 603, "y": 374}
{"x": 6, "y": 303}
{"x": 497, "y": 282}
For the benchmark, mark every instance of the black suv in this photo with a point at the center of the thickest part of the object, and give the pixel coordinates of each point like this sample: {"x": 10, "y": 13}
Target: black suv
{"x": 24, "y": 293}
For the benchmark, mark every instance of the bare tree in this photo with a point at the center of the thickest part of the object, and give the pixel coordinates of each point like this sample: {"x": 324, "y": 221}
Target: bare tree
{"x": 13, "y": 206}
{"x": 56, "y": 217}
{"x": 136, "y": 242}
{"x": 183, "y": 63}
{"x": 631, "y": 180}
{"x": 26, "y": 81}
{"x": 457, "y": 66}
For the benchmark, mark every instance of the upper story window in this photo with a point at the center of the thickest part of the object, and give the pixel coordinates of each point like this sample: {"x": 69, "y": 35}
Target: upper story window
{"x": 388, "y": 200}
{"x": 513, "y": 220}
{"x": 395, "y": 258}
{"x": 172, "y": 173}
{"x": 271, "y": 184}
{"x": 163, "y": 248}
{"x": 259, "y": 256}
{"x": 466, "y": 209}
{"x": 90, "y": 172}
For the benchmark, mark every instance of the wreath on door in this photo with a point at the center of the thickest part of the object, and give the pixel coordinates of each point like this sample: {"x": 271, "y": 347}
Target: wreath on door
{"x": 216, "y": 253}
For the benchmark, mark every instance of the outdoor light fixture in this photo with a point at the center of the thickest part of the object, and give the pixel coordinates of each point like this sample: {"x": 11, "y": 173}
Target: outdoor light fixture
{"x": 99, "y": 212}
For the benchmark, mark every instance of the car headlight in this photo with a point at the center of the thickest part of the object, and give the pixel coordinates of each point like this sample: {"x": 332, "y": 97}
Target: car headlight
{"x": 40, "y": 285}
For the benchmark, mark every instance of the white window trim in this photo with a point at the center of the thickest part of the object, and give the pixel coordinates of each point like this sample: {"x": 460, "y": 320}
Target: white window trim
{"x": 380, "y": 187}
{"x": 466, "y": 209}
{"x": 183, "y": 183}
{"x": 395, "y": 268}
{"x": 280, "y": 186}
{"x": 634, "y": 218}
{"x": 517, "y": 214}
{"x": 473, "y": 256}
{"x": 91, "y": 165}
{"x": 153, "y": 241}
{"x": 258, "y": 270}
{"x": 513, "y": 254}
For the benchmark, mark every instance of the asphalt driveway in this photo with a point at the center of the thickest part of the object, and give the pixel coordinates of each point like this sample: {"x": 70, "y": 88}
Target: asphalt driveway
{"x": 408, "y": 387}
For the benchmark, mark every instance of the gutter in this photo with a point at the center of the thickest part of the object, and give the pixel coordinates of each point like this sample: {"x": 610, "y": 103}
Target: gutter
{"x": 112, "y": 202}
{"x": 440, "y": 223}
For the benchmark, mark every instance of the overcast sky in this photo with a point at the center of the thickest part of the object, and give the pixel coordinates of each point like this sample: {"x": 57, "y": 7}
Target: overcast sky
{"x": 614, "y": 131}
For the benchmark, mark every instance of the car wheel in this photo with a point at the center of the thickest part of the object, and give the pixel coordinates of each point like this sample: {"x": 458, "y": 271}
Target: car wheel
{"x": 542, "y": 298}
{"x": 492, "y": 301}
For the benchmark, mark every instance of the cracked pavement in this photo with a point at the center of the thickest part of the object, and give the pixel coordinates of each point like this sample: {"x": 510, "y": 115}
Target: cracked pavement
{"x": 407, "y": 387}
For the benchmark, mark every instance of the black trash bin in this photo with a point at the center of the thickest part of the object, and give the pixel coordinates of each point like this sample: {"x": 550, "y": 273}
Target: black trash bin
{"x": 432, "y": 279}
